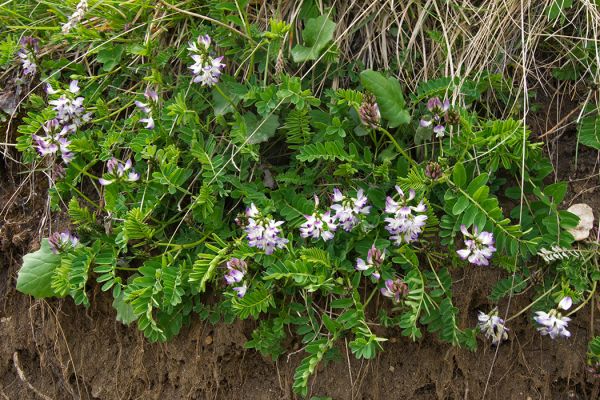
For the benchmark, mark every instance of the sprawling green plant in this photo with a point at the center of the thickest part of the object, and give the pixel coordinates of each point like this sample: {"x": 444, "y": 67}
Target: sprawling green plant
{"x": 201, "y": 168}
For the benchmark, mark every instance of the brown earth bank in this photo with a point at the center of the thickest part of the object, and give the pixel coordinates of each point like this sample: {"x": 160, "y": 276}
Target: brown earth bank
{"x": 56, "y": 350}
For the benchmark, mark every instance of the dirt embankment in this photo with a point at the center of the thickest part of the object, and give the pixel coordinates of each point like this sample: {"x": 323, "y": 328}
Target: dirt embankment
{"x": 53, "y": 349}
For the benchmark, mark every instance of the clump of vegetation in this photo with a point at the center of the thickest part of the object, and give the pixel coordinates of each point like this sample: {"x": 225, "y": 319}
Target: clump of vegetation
{"x": 202, "y": 152}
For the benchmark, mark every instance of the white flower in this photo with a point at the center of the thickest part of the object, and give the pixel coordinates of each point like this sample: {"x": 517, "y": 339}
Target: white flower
{"x": 69, "y": 109}
{"x": 480, "y": 246}
{"x": 565, "y": 303}
{"x": 206, "y": 69}
{"x": 318, "y": 225}
{"x": 263, "y": 232}
{"x": 118, "y": 171}
{"x": 404, "y": 226}
{"x": 552, "y": 324}
{"x": 492, "y": 326}
{"x": 349, "y": 209}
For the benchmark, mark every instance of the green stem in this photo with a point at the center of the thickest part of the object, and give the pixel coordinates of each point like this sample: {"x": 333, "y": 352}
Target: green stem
{"x": 187, "y": 245}
{"x": 218, "y": 89}
{"x": 579, "y": 307}
{"x": 398, "y": 147}
{"x": 370, "y": 297}
{"x": 82, "y": 195}
{"x": 126, "y": 269}
{"x": 546, "y": 293}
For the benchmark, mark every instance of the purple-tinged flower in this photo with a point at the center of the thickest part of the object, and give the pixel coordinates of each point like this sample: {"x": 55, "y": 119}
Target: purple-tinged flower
{"x": 69, "y": 109}
{"x": 263, "y": 232}
{"x": 318, "y": 225}
{"x": 480, "y": 246}
{"x": 439, "y": 130}
{"x": 54, "y": 141}
{"x": 395, "y": 289}
{"x": 62, "y": 241}
{"x": 375, "y": 258}
{"x": 425, "y": 122}
{"x": 552, "y": 323}
{"x": 236, "y": 270}
{"x": 565, "y": 303}
{"x": 369, "y": 111}
{"x": 117, "y": 171}
{"x": 149, "y": 121}
{"x": 143, "y": 106}
{"x": 204, "y": 41}
{"x": 437, "y": 110}
{"x": 27, "y": 55}
{"x": 349, "y": 209}
{"x": 433, "y": 170}
{"x": 407, "y": 221}
{"x": 241, "y": 290}
{"x": 146, "y": 109}
{"x": 206, "y": 69}
{"x": 435, "y": 105}
{"x": 151, "y": 95}
{"x": 492, "y": 326}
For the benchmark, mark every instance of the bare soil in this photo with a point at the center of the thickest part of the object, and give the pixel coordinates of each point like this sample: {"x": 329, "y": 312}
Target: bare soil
{"x": 56, "y": 350}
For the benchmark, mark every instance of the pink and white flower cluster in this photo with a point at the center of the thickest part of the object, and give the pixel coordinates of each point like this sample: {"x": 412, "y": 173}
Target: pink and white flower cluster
{"x": 206, "y": 69}
{"x": 553, "y": 323}
{"x": 27, "y": 55}
{"x": 492, "y": 326}
{"x": 345, "y": 212}
{"x": 375, "y": 258}
{"x": 236, "y": 271}
{"x": 437, "y": 110}
{"x": 152, "y": 98}
{"x": 54, "y": 140}
{"x": 480, "y": 246}
{"x": 117, "y": 171}
{"x": 263, "y": 232}
{"x": 62, "y": 241}
{"x": 319, "y": 224}
{"x": 348, "y": 210}
{"x": 69, "y": 107}
{"x": 407, "y": 221}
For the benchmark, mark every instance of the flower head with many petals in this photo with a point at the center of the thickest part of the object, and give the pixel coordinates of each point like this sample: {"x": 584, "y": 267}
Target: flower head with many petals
{"x": 236, "y": 271}
{"x": 27, "y": 55}
{"x": 406, "y": 222}
{"x": 375, "y": 258}
{"x": 54, "y": 141}
{"x": 62, "y": 241}
{"x": 348, "y": 210}
{"x": 480, "y": 246}
{"x": 395, "y": 289}
{"x": 492, "y": 326}
{"x": 206, "y": 69}
{"x": 318, "y": 224}
{"x": 263, "y": 232}
{"x": 437, "y": 110}
{"x": 118, "y": 171}
{"x": 553, "y": 323}
{"x": 70, "y": 111}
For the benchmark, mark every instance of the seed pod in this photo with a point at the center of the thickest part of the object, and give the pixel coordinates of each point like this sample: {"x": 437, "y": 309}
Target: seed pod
{"x": 452, "y": 117}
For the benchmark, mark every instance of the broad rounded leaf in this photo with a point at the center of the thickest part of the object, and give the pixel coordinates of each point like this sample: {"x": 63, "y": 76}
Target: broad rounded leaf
{"x": 317, "y": 33}
{"x": 389, "y": 97}
{"x": 35, "y": 276}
